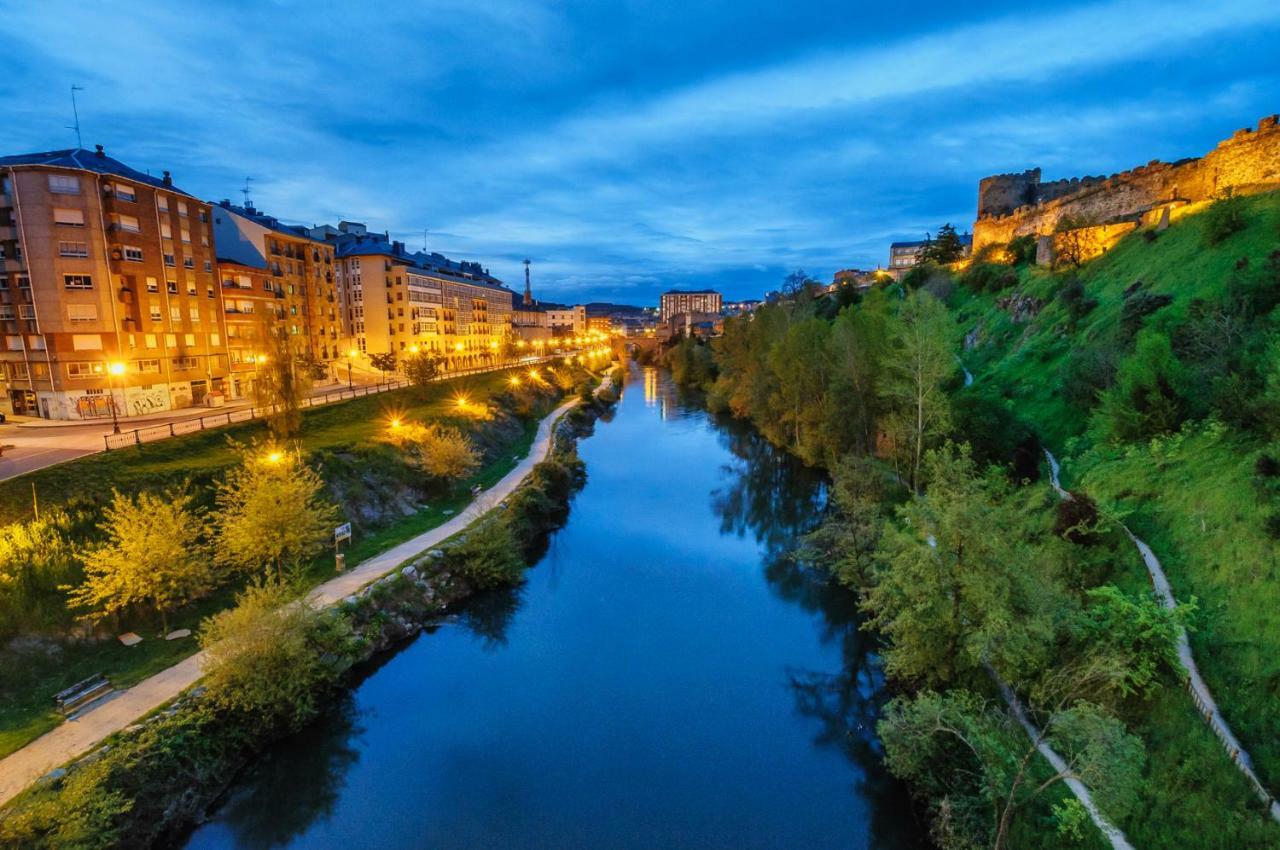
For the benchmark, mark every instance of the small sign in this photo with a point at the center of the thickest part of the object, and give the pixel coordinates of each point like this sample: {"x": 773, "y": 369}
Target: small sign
{"x": 342, "y": 532}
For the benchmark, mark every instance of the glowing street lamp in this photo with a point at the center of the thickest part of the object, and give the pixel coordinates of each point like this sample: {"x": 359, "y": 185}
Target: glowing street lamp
{"x": 351, "y": 356}
{"x": 113, "y": 370}
{"x": 275, "y": 457}
{"x": 514, "y": 380}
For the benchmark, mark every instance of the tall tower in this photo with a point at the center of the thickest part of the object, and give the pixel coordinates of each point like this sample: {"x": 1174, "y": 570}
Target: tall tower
{"x": 528, "y": 287}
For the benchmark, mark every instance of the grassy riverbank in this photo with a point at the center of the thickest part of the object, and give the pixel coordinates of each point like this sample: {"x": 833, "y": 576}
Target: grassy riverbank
{"x": 378, "y": 491}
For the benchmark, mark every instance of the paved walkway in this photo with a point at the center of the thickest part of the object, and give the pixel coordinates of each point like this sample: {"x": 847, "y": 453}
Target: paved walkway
{"x": 85, "y": 730}
{"x": 1195, "y": 683}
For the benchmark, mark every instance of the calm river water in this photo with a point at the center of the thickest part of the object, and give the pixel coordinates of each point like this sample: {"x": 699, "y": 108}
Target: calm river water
{"x": 666, "y": 677}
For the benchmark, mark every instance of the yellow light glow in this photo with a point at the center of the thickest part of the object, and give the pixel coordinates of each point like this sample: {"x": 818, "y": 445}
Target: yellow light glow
{"x": 493, "y": 345}
{"x": 116, "y": 368}
{"x": 514, "y": 380}
{"x": 461, "y": 401}
{"x": 395, "y": 423}
{"x": 533, "y": 374}
{"x": 353, "y": 354}
{"x": 413, "y": 349}
{"x": 275, "y": 457}
{"x": 457, "y": 346}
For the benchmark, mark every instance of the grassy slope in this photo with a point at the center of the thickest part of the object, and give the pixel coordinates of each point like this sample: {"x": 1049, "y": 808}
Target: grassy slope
{"x": 26, "y": 716}
{"x": 1192, "y": 499}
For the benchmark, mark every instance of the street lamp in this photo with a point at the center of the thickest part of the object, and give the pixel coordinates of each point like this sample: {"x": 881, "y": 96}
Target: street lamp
{"x": 351, "y": 356}
{"x": 114, "y": 369}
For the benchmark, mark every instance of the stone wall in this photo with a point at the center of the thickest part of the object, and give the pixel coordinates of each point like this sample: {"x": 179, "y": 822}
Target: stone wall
{"x": 1012, "y": 205}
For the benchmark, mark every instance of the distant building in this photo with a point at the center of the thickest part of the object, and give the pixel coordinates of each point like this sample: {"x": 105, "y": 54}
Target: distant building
{"x": 906, "y": 255}
{"x": 108, "y": 295}
{"x": 739, "y": 308}
{"x": 599, "y": 324}
{"x": 698, "y": 301}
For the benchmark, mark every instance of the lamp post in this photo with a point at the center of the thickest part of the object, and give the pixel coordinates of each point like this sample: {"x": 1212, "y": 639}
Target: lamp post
{"x": 114, "y": 369}
{"x": 351, "y": 356}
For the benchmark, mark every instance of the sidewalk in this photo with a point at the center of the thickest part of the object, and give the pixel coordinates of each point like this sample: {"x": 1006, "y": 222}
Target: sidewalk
{"x": 84, "y": 731}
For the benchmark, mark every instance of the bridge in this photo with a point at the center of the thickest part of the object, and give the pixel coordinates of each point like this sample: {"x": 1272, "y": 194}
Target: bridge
{"x": 626, "y": 347}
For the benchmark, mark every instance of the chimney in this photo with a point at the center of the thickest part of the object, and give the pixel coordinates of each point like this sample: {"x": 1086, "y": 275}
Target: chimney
{"x": 168, "y": 180}
{"x": 99, "y": 150}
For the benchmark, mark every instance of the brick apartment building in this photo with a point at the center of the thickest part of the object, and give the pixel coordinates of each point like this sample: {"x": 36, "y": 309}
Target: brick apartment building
{"x": 108, "y": 294}
{"x": 699, "y": 301}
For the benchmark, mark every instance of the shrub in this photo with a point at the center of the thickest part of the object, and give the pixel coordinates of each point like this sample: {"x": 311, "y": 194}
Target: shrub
{"x": 1073, "y": 299}
{"x": 1224, "y": 218}
{"x": 1148, "y": 397}
{"x": 488, "y": 556}
{"x": 1077, "y": 520}
{"x": 988, "y": 277}
{"x": 1266, "y": 466}
{"x": 1138, "y": 304}
{"x": 272, "y": 656}
{"x": 441, "y": 451}
{"x": 1022, "y": 250}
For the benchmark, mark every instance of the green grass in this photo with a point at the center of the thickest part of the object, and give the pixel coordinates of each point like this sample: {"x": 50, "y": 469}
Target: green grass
{"x": 1192, "y": 498}
{"x": 26, "y": 712}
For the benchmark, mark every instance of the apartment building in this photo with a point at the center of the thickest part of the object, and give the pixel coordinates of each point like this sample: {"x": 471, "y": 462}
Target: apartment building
{"x": 696, "y": 301}
{"x": 402, "y": 302}
{"x": 108, "y": 296}
{"x": 274, "y": 276}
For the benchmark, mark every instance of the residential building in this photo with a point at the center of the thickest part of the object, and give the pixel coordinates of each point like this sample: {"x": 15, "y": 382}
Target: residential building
{"x": 697, "y": 301}
{"x": 456, "y": 310}
{"x": 108, "y": 297}
{"x": 300, "y": 270}
{"x": 599, "y": 324}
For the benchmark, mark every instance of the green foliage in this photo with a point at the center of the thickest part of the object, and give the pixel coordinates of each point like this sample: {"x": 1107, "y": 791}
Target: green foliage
{"x": 269, "y": 485}
{"x": 691, "y": 363}
{"x": 1224, "y": 218}
{"x": 1139, "y": 631}
{"x": 1149, "y": 395}
{"x": 36, "y": 559}
{"x": 988, "y": 277}
{"x": 151, "y": 556}
{"x": 1074, "y": 300}
{"x": 943, "y": 248}
{"x": 441, "y": 451}
{"x": 1022, "y": 250}
{"x": 847, "y": 544}
{"x": 282, "y": 382}
{"x": 487, "y": 555}
{"x": 422, "y": 368}
{"x": 384, "y": 362}
{"x": 272, "y": 656}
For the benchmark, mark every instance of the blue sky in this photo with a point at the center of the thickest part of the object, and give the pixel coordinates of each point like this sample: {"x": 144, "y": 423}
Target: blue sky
{"x": 627, "y": 147}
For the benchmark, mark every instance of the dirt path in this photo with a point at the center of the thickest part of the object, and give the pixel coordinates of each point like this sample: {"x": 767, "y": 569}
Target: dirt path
{"x": 1194, "y": 682}
{"x": 85, "y": 730}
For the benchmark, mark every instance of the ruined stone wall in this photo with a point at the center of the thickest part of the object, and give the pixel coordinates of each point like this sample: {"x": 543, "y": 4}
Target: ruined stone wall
{"x": 1247, "y": 162}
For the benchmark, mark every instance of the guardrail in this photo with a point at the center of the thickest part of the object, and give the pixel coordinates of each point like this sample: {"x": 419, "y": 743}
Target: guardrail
{"x": 164, "y": 431}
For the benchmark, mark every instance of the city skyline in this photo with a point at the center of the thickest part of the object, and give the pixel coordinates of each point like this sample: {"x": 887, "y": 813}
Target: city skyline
{"x": 618, "y": 152}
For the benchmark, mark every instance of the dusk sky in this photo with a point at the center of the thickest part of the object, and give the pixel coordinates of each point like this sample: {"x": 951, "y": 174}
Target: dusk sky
{"x": 629, "y": 147}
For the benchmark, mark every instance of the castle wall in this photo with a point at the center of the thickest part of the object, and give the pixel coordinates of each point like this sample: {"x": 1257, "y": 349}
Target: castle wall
{"x": 1247, "y": 162}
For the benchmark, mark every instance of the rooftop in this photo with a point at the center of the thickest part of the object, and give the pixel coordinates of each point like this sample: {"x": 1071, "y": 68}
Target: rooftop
{"x": 96, "y": 162}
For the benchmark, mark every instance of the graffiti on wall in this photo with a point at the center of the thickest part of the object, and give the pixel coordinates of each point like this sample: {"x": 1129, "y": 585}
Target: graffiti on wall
{"x": 143, "y": 400}
{"x": 94, "y": 406}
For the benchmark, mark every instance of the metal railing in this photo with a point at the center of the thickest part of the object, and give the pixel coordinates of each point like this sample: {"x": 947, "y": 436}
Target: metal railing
{"x": 163, "y": 431}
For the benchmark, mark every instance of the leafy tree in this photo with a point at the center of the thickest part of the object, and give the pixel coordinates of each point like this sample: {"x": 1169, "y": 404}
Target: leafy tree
{"x": 977, "y": 762}
{"x": 944, "y": 248}
{"x": 848, "y": 541}
{"x": 922, "y": 340}
{"x": 488, "y": 556}
{"x": 1140, "y": 632}
{"x": 959, "y": 585}
{"x": 384, "y": 362}
{"x": 151, "y": 556}
{"x": 1148, "y": 398}
{"x": 1071, "y": 243}
{"x": 421, "y": 368}
{"x": 281, "y": 382}
{"x": 36, "y": 558}
{"x": 441, "y": 451}
{"x": 1022, "y": 250}
{"x": 271, "y": 511}
{"x": 272, "y": 656}
{"x": 800, "y": 365}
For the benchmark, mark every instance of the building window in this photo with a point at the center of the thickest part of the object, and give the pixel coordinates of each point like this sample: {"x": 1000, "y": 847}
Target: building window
{"x": 162, "y": 201}
{"x": 77, "y": 281}
{"x": 169, "y": 260}
{"x": 172, "y": 286}
{"x": 186, "y": 235}
{"x": 125, "y": 192}
{"x": 155, "y": 312}
{"x": 150, "y": 340}
{"x": 189, "y": 262}
{"x": 165, "y": 230}
{"x": 26, "y": 311}
{"x": 86, "y": 342}
{"x": 194, "y": 313}
{"x": 208, "y": 265}
{"x": 73, "y": 249}
{"x": 171, "y": 340}
{"x": 153, "y": 285}
{"x": 189, "y": 339}
{"x": 82, "y": 312}
{"x": 133, "y": 255}
{"x": 175, "y": 315}
{"x": 182, "y": 207}
{"x": 84, "y": 370}
{"x": 64, "y": 184}
{"x": 68, "y": 218}
{"x": 185, "y": 363}
{"x": 191, "y": 287}
{"x": 128, "y": 223}
{"x": 149, "y": 365}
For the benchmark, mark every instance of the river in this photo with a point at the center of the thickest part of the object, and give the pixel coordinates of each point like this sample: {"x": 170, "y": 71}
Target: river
{"x": 666, "y": 677}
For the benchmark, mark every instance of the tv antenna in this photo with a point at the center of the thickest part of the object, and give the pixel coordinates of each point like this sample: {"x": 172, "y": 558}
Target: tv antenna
{"x": 424, "y": 239}
{"x": 245, "y": 192}
{"x": 75, "y": 112}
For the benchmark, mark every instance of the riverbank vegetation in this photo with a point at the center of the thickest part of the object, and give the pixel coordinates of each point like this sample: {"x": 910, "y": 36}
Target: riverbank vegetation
{"x": 274, "y": 664}
{"x": 1153, "y": 372}
{"x": 205, "y": 509}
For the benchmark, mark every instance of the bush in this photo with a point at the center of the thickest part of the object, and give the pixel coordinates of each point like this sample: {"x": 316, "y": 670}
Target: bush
{"x": 1224, "y": 218}
{"x": 441, "y": 451}
{"x": 1138, "y": 304}
{"x": 1073, "y": 299}
{"x": 1022, "y": 250}
{"x": 1148, "y": 398}
{"x": 988, "y": 277}
{"x": 1077, "y": 520}
{"x": 272, "y": 656}
{"x": 488, "y": 556}
{"x": 1266, "y": 466}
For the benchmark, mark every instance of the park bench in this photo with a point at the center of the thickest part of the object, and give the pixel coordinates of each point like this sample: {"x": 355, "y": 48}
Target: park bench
{"x": 81, "y": 693}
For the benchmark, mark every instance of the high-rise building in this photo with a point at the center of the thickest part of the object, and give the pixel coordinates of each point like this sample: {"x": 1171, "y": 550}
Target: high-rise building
{"x": 700, "y": 302}
{"x": 108, "y": 298}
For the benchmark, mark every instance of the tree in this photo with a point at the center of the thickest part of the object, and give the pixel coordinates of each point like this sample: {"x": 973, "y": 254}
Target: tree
{"x": 36, "y": 559}
{"x": 282, "y": 382}
{"x": 271, "y": 510}
{"x": 923, "y": 344}
{"x": 847, "y": 544}
{"x": 958, "y": 585}
{"x": 1140, "y": 632}
{"x": 272, "y": 655}
{"x": 944, "y": 248}
{"x": 1149, "y": 395}
{"x": 422, "y": 368}
{"x": 800, "y": 364}
{"x": 151, "y": 556}
{"x": 384, "y": 362}
{"x": 439, "y": 450}
{"x": 977, "y": 761}
{"x": 1072, "y": 242}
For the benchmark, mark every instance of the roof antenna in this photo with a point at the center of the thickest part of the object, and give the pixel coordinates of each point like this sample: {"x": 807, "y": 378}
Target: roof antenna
{"x": 424, "y": 239}
{"x": 248, "y": 204}
{"x": 76, "y": 112}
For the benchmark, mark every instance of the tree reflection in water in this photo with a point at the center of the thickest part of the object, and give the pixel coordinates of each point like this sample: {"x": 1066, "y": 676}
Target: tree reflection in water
{"x": 297, "y": 783}
{"x": 775, "y": 499}
{"x": 489, "y": 615}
